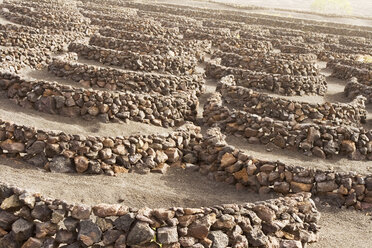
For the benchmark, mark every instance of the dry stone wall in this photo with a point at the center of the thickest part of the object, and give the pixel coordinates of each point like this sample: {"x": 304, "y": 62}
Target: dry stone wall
{"x": 68, "y": 21}
{"x": 283, "y": 109}
{"x": 13, "y": 59}
{"x": 144, "y": 47}
{"x": 354, "y": 89}
{"x": 225, "y": 163}
{"x": 52, "y": 222}
{"x": 65, "y": 100}
{"x": 66, "y": 153}
{"x": 318, "y": 140}
{"x": 283, "y": 84}
{"x": 143, "y": 26}
{"x": 346, "y": 72}
{"x": 269, "y": 63}
{"x": 135, "y": 61}
{"x": 137, "y": 82}
{"x": 258, "y": 19}
{"x": 25, "y": 40}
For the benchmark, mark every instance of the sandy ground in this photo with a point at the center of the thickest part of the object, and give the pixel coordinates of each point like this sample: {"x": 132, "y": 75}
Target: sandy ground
{"x": 176, "y": 188}
{"x": 29, "y": 117}
{"x": 344, "y": 229}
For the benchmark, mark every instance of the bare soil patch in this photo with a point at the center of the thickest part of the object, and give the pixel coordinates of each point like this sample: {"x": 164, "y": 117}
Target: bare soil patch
{"x": 176, "y": 188}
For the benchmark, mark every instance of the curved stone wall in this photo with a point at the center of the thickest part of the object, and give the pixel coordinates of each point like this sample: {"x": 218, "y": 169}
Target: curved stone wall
{"x": 225, "y": 163}
{"x": 69, "y": 101}
{"x": 53, "y": 222}
{"x": 318, "y": 140}
{"x": 346, "y": 72}
{"x": 283, "y": 109}
{"x": 66, "y": 153}
{"x": 135, "y": 61}
{"x": 354, "y": 89}
{"x": 283, "y": 84}
{"x": 137, "y": 82}
{"x": 269, "y": 63}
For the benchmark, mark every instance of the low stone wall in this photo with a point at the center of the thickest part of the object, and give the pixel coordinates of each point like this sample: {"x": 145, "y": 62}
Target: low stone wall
{"x": 122, "y": 16}
{"x": 143, "y": 26}
{"x": 346, "y": 72}
{"x": 263, "y": 53}
{"x": 13, "y": 59}
{"x": 318, "y": 140}
{"x": 282, "y": 84}
{"x": 69, "y": 101}
{"x": 137, "y": 82}
{"x": 220, "y": 40}
{"x": 225, "y": 163}
{"x": 135, "y": 61}
{"x": 106, "y": 8}
{"x": 347, "y": 49}
{"x": 54, "y": 43}
{"x": 244, "y": 52}
{"x": 283, "y": 222}
{"x": 195, "y": 45}
{"x": 65, "y": 153}
{"x": 288, "y": 110}
{"x": 269, "y": 63}
{"x": 257, "y": 19}
{"x": 351, "y": 62}
{"x": 165, "y": 49}
{"x": 53, "y": 19}
{"x": 354, "y": 89}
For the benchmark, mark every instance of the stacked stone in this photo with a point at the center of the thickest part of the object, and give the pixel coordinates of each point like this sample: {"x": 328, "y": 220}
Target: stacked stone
{"x": 354, "y": 89}
{"x": 355, "y": 42}
{"x": 318, "y": 140}
{"x": 282, "y": 84}
{"x": 350, "y": 61}
{"x": 89, "y": 8}
{"x": 53, "y": 43}
{"x": 283, "y": 109}
{"x": 225, "y": 163}
{"x": 219, "y": 40}
{"x": 65, "y": 20}
{"x": 66, "y": 153}
{"x": 135, "y": 61}
{"x": 348, "y": 49}
{"x": 245, "y": 54}
{"x": 259, "y": 19}
{"x": 143, "y": 47}
{"x": 113, "y": 16}
{"x": 136, "y": 82}
{"x": 52, "y": 222}
{"x": 270, "y": 64}
{"x": 197, "y": 47}
{"x": 143, "y": 26}
{"x": 14, "y": 58}
{"x": 346, "y": 72}
{"x": 69, "y": 101}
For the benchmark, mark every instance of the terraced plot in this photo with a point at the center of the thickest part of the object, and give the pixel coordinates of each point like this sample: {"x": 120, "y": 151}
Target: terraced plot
{"x": 131, "y": 124}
